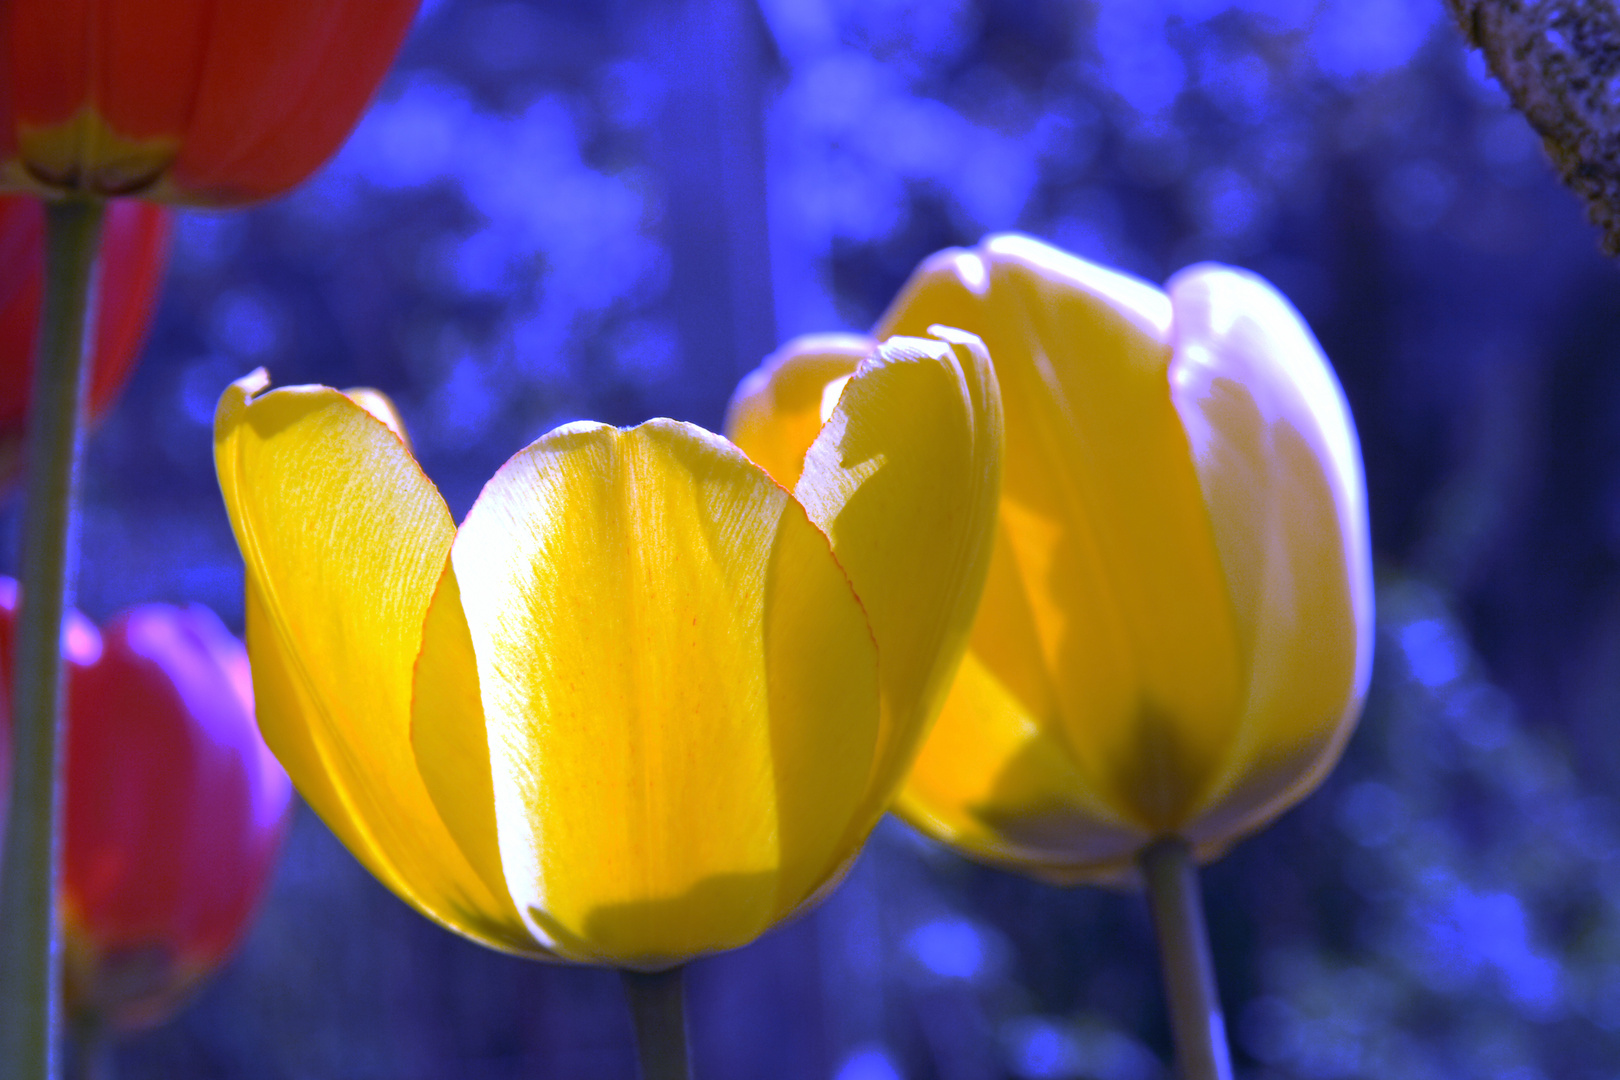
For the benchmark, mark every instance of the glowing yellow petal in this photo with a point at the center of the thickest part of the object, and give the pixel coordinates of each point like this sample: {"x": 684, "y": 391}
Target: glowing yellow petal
{"x": 1281, "y": 474}
{"x": 679, "y": 685}
{"x": 990, "y": 782}
{"x": 904, "y": 478}
{"x": 449, "y": 739}
{"x": 990, "y": 779}
{"x": 777, "y": 413}
{"x": 1104, "y": 519}
{"x": 344, "y": 538}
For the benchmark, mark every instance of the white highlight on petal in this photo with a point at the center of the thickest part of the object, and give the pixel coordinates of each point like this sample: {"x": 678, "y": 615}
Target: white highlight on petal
{"x": 1233, "y": 327}
{"x": 830, "y": 395}
{"x": 1144, "y": 303}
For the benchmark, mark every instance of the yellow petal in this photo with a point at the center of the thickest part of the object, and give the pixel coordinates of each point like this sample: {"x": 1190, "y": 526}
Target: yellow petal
{"x": 991, "y": 779}
{"x": 343, "y": 540}
{"x": 990, "y": 782}
{"x": 679, "y": 687}
{"x": 776, "y": 412}
{"x": 1104, "y": 519}
{"x": 451, "y": 745}
{"x": 904, "y": 478}
{"x": 380, "y": 406}
{"x": 1281, "y": 474}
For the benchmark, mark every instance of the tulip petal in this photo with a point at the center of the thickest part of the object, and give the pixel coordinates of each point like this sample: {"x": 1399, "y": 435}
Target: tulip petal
{"x": 449, "y": 739}
{"x": 1104, "y": 519}
{"x": 679, "y": 687}
{"x": 279, "y": 88}
{"x": 382, "y": 407}
{"x": 990, "y": 782}
{"x": 776, "y": 412}
{"x": 1278, "y": 463}
{"x": 173, "y": 815}
{"x": 343, "y": 539}
{"x": 904, "y": 478}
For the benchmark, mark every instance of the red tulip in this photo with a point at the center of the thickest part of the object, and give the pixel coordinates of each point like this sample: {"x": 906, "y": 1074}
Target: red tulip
{"x": 174, "y": 807}
{"x": 133, "y": 245}
{"x": 207, "y": 102}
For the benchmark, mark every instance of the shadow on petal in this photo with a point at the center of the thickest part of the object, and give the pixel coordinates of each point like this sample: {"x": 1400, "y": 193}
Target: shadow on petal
{"x": 618, "y": 934}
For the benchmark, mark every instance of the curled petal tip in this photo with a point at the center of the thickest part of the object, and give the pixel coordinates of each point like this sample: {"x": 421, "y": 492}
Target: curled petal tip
{"x": 250, "y": 386}
{"x": 381, "y": 407}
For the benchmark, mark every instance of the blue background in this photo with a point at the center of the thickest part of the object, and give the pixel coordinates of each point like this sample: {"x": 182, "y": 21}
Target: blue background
{"x": 614, "y": 210}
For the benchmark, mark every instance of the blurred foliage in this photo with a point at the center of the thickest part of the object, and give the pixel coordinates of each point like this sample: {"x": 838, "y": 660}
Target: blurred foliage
{"x": 613, "y": 210}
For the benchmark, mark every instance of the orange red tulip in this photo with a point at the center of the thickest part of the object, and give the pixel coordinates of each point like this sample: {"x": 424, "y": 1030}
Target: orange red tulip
{"x": 174, "y": 807}
{"x": 204, "y": 102}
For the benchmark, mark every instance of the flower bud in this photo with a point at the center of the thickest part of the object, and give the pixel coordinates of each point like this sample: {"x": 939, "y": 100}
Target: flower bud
{"x": 174, "y": 810}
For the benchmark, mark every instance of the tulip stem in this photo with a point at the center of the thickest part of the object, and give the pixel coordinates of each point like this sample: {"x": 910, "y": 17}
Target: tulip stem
{"x": 658, "y": 1007}
{"x": 29, "y": 947}
{"x": 1196, "y": 1023}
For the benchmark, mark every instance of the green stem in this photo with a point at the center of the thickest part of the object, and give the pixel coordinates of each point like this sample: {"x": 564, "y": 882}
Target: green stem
{"x": 29, "y": 975}
{"x": 1189, "y": 972}
{"x": 658, "y": 1006}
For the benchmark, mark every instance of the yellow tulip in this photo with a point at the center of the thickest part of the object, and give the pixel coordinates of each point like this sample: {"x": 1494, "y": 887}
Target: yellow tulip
{"x": 645, "y": 703}
{"x": 1176, "y": 633}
